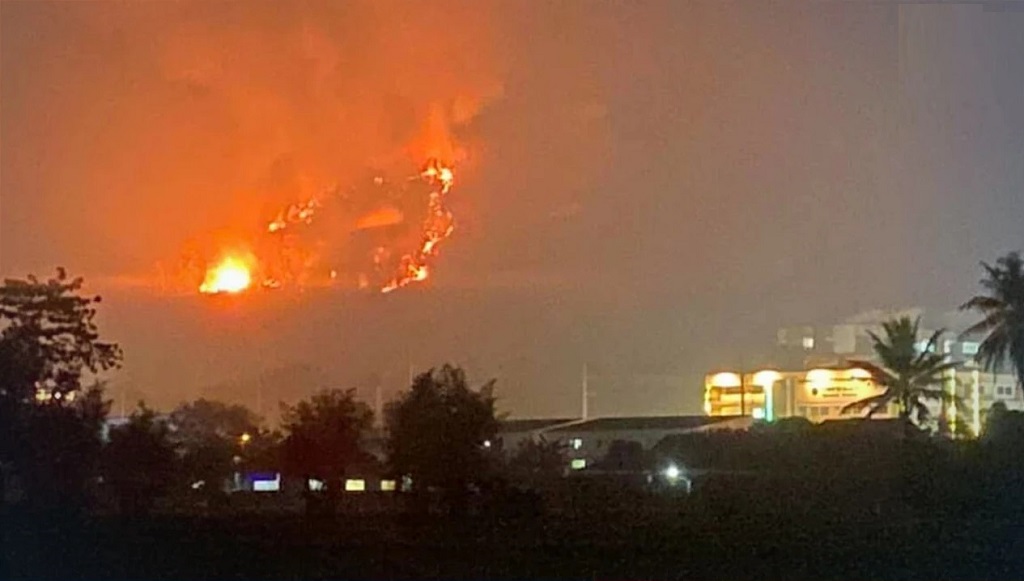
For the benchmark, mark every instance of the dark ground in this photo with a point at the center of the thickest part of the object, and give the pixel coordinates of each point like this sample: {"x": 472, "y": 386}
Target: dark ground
{"x": 679, "y": 544}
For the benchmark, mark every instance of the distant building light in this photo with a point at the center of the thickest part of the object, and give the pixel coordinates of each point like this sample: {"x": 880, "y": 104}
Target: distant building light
{"x": 766, "y": 378}
{"x": 819, "y": 378}
{"x": 578, "y": 463}
{"x": 725, "y": 379}
{"x": 858, "y": 373}
{"x": 970, "y": 347}
{"x": 758, "y": 413}
{"x": 487, "y": 443}
{"x": 388, "y": 485}
{"x": 355, "y": 485}
{"x": 576, "y": 443}
{"x": 672, "y": 472}
{"x": 315, "y": 485}
{"x": 808, "y": 343}
{"x": 263, "y": 484}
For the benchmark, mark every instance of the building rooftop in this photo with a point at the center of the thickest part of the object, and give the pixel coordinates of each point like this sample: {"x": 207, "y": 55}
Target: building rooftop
{"x": 531, "y": 424}
{"x": 641, "y": 423}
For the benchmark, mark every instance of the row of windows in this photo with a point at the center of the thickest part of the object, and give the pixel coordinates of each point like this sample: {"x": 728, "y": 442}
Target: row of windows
{"x": 967, "y": 347}
{"x": 813, "y": 412}
{"x": 1005, "y": 390}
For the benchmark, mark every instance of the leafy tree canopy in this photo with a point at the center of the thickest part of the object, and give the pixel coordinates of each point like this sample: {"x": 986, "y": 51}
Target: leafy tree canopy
{"x": 139, "y": 461}
{"x": 537, "y": 463}
{"x": 437, "y": 430}
{"x": 210, "y": 435}
{"x": 48, "y": 338}
{"x": 49, "y": 425}
{"x": 325, "y": 434}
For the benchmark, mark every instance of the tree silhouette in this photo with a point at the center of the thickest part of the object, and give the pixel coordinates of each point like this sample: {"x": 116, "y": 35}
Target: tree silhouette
{"x": 1003, "y": 312}
{"x": 49, "y": 424}
{"x": 210, "y": 435}
{"x": 624, "y": 455}
{"x": 536, "y": 464}
{"x": 436, "y": 435}
{"x": 908, "y": 375}
{"x": 325, "y": 436}
{"x": 139, "y": 461}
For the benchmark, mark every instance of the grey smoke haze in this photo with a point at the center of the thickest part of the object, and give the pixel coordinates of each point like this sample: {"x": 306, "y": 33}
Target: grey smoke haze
{"x": 650, "y": 187}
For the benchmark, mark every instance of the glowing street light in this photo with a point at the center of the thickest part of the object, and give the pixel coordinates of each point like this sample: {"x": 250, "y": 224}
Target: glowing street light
{"x": 672, "y": 472}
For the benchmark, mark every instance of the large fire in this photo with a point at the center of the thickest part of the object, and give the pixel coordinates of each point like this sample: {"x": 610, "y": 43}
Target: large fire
{"x": 282, "y": 256}
{"x": 231, "y": 275}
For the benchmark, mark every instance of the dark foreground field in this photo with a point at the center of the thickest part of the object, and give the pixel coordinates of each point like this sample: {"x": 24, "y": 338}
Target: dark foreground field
{"x": 672, "y": 545}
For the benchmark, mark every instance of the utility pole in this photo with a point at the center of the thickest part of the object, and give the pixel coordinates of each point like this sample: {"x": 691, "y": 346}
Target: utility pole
{"x": 585, "y": 394}
{"x": 259, "y": 397}
{"x": 743, "y": 395}
{"x": 743, "y": 390}
{"x": 378, "y": 403}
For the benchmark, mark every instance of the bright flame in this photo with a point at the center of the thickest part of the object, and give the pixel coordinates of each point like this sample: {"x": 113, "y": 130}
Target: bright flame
{"x": 438, "y": 226}
{"x": 230, "y": 276}
{"x": 298, "y": 213}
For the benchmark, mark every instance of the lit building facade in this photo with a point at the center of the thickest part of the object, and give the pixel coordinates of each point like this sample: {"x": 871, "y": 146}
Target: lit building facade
{"x": 809, "y": 373}
{"x": 822, "y": 393}
{"x": 816, "y": 394}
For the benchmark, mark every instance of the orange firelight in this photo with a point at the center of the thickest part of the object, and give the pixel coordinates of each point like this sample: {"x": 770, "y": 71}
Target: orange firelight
{"x": 230, "y": 276}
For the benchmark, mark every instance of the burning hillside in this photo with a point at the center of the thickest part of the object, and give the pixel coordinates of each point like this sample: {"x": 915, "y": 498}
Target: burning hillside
{"x": 376, "y": 247}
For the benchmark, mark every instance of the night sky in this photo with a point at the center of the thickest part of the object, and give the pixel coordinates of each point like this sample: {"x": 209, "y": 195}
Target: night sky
{"x": 651, "y": 188}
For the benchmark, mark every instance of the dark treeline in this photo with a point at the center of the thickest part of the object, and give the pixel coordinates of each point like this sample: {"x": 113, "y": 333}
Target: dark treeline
{"x": 149, "y": 497}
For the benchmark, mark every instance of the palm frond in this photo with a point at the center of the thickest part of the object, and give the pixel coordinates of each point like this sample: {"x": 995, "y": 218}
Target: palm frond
{"x": 922, "y": 413}
{"x": 874, "y": 401}
{"x": 930, "y": 348}
{"x": 991, "y": 320}
{"x": 879, "y": 375}
{"x": 982, "y": 303}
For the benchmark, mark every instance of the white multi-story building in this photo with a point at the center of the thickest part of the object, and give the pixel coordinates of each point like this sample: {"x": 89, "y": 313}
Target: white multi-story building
{"x": 815, "y": 376}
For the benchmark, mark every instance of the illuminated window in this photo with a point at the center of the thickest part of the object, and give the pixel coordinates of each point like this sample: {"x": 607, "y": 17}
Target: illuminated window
{"x": 355, "y": 485}
{"x": 266, "y": 484}
{"x": 808, "y": 342}
{"x": 576, "y": 443}
{"x": 970, "y": 348}
{"x": 578, "y": 463}
{"x": 387, "y": 485}
{"x": 315, "y": 484}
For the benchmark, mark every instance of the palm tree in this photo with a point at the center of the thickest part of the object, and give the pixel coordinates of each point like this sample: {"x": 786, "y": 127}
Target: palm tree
{"x": 1003, "y": 312}
{"x": 910, "y": 376}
